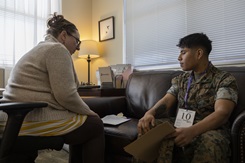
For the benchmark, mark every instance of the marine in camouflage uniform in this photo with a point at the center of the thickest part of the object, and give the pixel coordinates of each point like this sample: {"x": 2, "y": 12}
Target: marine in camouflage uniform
{"x": 211, "y": 146}
{"x": 205, "y": 90}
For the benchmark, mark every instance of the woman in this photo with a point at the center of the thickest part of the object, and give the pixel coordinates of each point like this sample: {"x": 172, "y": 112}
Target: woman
{"x": 46, "y": 73}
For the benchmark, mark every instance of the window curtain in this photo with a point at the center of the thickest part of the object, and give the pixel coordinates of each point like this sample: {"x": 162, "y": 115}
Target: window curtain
{"x": 23, "y": 25}
{"x": 153, "y": 28}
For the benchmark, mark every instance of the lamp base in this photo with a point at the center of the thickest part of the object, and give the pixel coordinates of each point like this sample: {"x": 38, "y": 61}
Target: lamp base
{"x": 88, "y": 85}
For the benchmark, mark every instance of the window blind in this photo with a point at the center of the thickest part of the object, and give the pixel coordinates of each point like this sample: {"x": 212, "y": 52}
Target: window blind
{"x": 153, "y": 28}
{"x": 23, "y": 25}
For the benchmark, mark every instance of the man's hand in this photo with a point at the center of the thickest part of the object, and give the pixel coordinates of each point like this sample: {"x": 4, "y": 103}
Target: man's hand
{"x": 148, "y": 120}
{"x": 182, "y": 136}
{"x": 145, "y": 123}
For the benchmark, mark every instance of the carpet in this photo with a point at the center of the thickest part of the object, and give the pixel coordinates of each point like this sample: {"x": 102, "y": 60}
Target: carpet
{"x": 52, "y": 156}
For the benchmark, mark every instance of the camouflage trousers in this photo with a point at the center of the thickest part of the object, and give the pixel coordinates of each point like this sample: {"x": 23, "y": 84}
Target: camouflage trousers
{"x": 210, "y": 147}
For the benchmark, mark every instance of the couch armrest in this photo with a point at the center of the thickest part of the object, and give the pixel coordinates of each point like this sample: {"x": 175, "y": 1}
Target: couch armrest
{"x": 238, "y": 138}
{"x": 106, "y": 105}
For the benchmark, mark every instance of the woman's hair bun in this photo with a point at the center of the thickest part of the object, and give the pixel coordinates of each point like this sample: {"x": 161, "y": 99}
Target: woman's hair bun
{"x": 54, "y": 21}
{"x": 57, "y": 23}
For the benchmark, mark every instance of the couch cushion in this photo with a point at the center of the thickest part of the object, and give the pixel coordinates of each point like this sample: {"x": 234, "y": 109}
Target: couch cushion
{"x": 127, "y": 130}
{"x": 145, "y": 88}
{"x": 117, "y": 137}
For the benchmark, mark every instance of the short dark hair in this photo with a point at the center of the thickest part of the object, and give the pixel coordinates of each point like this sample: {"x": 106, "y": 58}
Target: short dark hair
{"x": 196, "y": 40}
{"x": 58, "y": 23}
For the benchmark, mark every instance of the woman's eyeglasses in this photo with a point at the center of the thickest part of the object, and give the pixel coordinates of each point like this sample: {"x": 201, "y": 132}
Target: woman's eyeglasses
{"x": 78, "y": 42}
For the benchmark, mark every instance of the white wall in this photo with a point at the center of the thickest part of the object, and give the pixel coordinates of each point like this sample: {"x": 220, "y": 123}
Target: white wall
{"x": 79, "y": 12}
{"x": 111, "y": 50}
{"x": 85, "y": 14}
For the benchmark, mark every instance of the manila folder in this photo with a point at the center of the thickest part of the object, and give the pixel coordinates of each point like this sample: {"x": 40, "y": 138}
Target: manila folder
{"x": 146, "y": 147}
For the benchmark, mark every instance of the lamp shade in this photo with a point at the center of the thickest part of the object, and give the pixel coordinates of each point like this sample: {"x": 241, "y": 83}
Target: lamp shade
{"x": 88, "y": 48}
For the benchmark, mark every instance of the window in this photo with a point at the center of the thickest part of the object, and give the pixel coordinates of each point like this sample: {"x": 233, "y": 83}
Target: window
{"x": 153, "y": 28}
{"x": 23, "y": 25}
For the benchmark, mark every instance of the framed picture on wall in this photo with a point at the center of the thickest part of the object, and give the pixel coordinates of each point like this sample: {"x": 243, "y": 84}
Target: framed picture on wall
{"x": 106, "y": 29}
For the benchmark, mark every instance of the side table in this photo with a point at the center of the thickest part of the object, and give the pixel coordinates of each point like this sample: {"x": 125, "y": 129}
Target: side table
{"x": 101, "y": 92}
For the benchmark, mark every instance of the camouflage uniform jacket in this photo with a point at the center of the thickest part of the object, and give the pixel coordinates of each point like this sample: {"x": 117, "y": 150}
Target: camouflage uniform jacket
{"x": 212, "y": 85}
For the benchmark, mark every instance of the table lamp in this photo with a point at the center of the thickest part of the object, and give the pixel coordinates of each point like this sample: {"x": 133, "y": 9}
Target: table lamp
{"x": 88, "y": 50}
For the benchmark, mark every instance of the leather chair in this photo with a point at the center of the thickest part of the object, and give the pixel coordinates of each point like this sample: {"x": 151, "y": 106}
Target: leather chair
{"x": 23, "y": 149}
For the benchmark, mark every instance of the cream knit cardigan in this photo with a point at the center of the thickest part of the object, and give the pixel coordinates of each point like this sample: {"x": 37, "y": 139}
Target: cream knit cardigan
{"x": 46, "y": 73}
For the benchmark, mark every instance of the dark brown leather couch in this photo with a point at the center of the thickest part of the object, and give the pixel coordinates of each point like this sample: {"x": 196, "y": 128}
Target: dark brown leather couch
{"x": 143, "y": 90}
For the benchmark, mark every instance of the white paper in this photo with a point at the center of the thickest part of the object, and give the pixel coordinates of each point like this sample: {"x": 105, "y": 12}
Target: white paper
{"x": 105, "y": 74}
{"x": 114, "y": 120}
{"x": 185, "y": 118}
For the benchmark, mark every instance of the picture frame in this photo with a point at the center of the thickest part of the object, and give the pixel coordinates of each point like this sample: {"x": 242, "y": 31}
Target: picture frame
{"x": 106, "y": 29}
